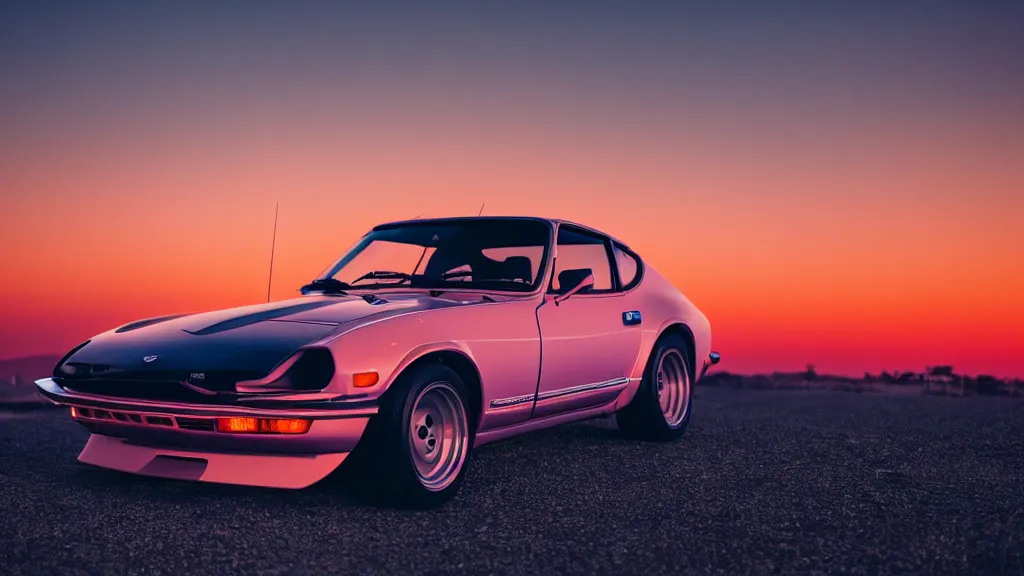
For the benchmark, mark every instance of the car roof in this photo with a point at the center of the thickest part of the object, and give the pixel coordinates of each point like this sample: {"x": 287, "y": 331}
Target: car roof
{"x": 448, "y": 219}
{"x": 551, "y": 221}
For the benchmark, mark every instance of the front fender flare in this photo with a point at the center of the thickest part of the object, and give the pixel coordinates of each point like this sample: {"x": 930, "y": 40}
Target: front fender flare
{"x": 423, "y": 350}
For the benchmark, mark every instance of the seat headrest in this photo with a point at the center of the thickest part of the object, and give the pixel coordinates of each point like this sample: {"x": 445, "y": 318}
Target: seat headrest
{"x": 517, "y": 268}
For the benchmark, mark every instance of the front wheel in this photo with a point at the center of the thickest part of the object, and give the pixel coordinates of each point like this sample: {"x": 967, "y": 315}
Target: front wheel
{"x": 417, "y": 446}
{"x": 661, "y": 409}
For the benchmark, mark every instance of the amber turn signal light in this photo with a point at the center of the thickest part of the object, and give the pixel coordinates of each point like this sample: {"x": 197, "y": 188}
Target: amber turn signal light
{"x": 365, "y": 379}
{"x": 263, "y": 425}
{"x": 74, "y": 413}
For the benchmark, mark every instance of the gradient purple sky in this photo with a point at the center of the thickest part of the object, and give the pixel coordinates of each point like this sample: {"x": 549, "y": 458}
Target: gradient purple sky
{"x": 836, "y": 183}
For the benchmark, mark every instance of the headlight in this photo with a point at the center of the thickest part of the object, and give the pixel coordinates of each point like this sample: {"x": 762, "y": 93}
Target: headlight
{"x": 308, "y": 370}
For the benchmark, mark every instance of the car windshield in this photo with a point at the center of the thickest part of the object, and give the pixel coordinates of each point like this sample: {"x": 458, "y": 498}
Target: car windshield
{"x": 476, "y": 254}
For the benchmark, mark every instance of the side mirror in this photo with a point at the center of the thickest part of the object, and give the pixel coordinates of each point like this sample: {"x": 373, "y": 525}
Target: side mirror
{"x": 572, "y": 282}
{"x": 715, "y": 357}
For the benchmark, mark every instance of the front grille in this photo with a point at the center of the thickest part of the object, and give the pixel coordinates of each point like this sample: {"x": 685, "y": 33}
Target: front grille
{"x": 81, "y": 369}
{"x": 160, "y": 390}
{"x": 87, "y": 415}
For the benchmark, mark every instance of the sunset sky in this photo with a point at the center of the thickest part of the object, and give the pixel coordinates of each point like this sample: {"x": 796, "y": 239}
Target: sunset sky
{"x": 831, "y": 183}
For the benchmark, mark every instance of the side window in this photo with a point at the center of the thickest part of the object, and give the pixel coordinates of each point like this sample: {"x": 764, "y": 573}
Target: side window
{"x": 628, "y": 265}
{"x": 578, "y": 249}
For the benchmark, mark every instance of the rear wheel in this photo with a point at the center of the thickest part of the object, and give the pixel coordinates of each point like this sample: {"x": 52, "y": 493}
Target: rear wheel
{"x": 416, "y": 448}
{"x": 661, "y": 409}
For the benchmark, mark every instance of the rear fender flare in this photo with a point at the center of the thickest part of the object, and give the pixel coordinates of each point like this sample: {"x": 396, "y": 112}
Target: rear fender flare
{"x": 648, "y": 341}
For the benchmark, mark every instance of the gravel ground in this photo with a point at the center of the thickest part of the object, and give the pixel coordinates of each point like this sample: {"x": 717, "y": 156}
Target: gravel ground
{"x": 763, "y": 482}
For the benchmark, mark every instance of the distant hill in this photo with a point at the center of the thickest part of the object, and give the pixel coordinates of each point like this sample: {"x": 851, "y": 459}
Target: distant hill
{"x": 18, "y": 374}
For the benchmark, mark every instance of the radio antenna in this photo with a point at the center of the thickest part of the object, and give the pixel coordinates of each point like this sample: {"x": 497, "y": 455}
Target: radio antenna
{"x": 273, "y": 243}
{"x": 481, "y": 209}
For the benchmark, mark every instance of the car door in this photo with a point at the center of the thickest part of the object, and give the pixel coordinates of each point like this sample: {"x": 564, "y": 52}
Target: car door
{"x": 590, "y": 341}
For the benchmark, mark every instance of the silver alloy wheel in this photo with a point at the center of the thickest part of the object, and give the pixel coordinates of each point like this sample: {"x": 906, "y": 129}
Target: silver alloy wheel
{"x": 672, "y": 378}
{"x": 438, "y": 435}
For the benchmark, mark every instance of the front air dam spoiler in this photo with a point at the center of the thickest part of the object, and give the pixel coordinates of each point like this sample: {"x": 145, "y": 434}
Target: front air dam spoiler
{"x": 264, "y": 470}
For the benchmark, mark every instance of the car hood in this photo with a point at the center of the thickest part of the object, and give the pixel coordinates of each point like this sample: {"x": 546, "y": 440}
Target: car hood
{"x": 248, "y": 341}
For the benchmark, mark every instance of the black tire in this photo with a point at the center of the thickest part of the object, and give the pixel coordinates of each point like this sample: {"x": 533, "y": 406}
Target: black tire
{"x": 643, "y": 418}
{"x": 386, "y": 460}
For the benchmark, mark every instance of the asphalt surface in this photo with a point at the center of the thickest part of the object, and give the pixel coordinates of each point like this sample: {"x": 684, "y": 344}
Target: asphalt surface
{"x": 763, "y": 482}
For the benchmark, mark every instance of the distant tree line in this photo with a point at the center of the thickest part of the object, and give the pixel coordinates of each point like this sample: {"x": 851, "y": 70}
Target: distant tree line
{"x": 941, "y": 380}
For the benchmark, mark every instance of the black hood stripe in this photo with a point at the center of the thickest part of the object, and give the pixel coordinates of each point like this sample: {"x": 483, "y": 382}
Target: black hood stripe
{"x": 147, "y": 322}
{"x": 256, "y": 317}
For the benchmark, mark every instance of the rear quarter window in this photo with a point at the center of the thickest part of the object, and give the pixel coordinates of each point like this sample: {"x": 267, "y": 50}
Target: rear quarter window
{"x": 628, "y": 265}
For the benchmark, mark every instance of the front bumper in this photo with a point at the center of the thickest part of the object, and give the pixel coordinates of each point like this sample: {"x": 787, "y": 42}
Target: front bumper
{"x": 178, "y": 440}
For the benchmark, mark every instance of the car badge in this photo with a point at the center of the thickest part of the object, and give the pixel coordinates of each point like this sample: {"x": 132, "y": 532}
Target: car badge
{"x": 148, "y": 359}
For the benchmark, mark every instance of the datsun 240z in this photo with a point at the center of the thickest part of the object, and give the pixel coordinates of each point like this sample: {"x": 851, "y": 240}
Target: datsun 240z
{"x": 425, "y": 340}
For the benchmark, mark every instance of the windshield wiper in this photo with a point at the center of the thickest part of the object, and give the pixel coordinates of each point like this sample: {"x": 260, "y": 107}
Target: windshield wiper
{"x": 382, "y": 275}
{"x": 327, "y": 286}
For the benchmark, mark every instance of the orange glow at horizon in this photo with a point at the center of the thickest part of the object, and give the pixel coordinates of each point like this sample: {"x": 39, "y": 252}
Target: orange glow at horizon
{"x": 788, "y": 275}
